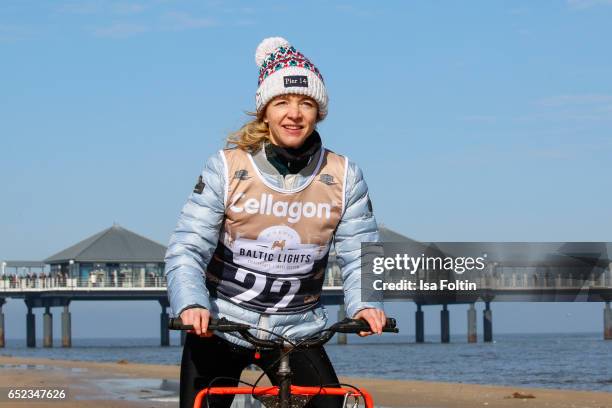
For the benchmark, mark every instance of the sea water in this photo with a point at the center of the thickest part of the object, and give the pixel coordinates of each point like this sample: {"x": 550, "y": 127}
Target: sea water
{"x": 565, "y": 361}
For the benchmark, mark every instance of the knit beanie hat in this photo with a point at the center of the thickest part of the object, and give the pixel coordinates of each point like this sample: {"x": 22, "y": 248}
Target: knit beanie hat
{"x": 284, "y": 70}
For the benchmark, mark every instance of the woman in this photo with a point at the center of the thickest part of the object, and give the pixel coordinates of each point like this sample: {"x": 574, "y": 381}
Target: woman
{"x": 253, "y": 240}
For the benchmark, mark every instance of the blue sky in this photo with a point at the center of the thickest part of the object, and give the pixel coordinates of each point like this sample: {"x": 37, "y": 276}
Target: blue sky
{"x": 482, "y": 121}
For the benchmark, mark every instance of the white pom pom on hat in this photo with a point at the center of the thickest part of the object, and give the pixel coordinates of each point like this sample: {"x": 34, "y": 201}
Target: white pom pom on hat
{"x": 289, "y": 72}
{"x": 267, "y": 47}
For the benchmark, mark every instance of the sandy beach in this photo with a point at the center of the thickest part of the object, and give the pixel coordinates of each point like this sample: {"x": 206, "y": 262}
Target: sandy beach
{"x": 126, "y": 384}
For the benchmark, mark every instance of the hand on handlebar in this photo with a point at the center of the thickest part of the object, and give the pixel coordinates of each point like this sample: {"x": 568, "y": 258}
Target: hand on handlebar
{"x": 376, "y": 318}
{"x": 197, "y": 317}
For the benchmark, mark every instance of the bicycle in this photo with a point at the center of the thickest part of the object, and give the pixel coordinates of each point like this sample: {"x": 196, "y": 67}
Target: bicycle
{"x": 286, "y": 395}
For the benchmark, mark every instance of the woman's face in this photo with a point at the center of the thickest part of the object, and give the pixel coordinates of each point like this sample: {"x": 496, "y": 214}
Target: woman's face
{"x": 291, "y": 119}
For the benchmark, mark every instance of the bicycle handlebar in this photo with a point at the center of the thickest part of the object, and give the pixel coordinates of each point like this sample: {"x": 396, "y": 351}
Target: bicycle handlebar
{"x": 343, "y": 326}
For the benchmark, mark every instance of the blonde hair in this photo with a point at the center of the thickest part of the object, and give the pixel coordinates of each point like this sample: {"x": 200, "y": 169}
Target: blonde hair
{"x": 251, "y": 135}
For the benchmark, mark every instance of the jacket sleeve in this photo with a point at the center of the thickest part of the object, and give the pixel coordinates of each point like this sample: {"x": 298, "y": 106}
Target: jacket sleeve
{"x": 356, "y": 226}
{"x": 194, "y": 239}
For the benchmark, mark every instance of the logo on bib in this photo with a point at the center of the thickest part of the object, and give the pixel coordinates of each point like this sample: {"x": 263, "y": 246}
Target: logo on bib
{"x": 327, "y": 179}
{"x": 293, "y": 211}
{"x": 241, "y": 175}
{"x": 199, "y": 187}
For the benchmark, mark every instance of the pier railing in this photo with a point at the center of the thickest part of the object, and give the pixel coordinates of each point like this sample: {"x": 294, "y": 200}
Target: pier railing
{"x": 51, "y": 283}
{"x": 524, "y": 281}
{"x": 38, "y": 283}
{"x": 332, "y": 280}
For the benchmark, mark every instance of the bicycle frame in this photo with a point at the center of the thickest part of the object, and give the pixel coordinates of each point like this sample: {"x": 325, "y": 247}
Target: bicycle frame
{"x": 285, "y": 390}
{"x": 275, "y": 391}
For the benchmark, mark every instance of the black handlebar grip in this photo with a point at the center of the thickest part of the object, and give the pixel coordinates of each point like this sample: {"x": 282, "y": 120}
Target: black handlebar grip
{"x": 175, "y": 323}
{"x": 358, "y": 325}
{"x": 391, "y": 323}
{"x": 222, "y": 325}
{"x": 390, "y": 326}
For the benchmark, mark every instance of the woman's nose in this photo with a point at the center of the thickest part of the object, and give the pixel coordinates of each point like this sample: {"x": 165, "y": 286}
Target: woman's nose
{"x": 294, "y": 111}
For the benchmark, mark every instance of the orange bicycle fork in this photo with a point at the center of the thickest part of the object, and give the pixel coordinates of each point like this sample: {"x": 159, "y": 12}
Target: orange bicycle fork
{"x": 293, "y": 390}
{"x": 285, "y": 390}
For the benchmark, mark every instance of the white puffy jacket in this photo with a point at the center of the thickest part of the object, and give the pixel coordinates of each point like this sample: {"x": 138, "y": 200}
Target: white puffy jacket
{"x": 195, "y": 238}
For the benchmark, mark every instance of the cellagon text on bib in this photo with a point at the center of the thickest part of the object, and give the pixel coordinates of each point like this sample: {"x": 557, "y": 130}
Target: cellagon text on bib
{"x": 274, "y": 243}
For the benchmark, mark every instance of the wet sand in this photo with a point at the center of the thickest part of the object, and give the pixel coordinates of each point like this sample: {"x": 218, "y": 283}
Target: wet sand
{"x": 103, "y": 383}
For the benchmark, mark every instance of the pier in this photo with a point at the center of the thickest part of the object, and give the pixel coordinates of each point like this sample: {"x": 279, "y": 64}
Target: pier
{"x": 51, "y": 293}
{"x": 117, "y": 264}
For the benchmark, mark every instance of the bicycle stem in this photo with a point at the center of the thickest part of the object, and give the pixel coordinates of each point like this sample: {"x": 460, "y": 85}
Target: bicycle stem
{"x": 284, "y": 378}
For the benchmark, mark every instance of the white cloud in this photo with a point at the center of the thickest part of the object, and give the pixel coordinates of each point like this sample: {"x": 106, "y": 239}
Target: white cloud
{"x": 565, "y": 108}
{"x": 566, "y": 151}
{"x": 524, "y": 31}
{"x": 184, "y": 21}
{"x": 575, "y": 100}
{"x": 133, "y": 12}
{"x": 80, "y": 7}
{"x": 245, "y": 23}
{"x": 519, "y": 11}
{"x": 176, "y": 21}
{"x": 99, "y": 7}
{"x": 240, "y": 10}
{"x": 574, "y": 107}
{"x": 356, "y": 11}
{"x": 585, "y": 4}
{"x": 128, "y": 8}
{"x": 120, "y": 30}
{"x": 479, "y": 118}
{"x": 12, "y": 32}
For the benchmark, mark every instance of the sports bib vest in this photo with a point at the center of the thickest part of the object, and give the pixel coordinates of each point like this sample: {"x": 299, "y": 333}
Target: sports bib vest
{"x": 274, "y": 244}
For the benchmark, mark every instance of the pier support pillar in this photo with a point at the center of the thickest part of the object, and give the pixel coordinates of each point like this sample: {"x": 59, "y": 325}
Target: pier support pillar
{"x": 341, "y": 316}
{"x": 419, "y": 320}
{"x": 47, "y": 328}
{"x": 607, "y": 322}
{"x": 471, "y": 323}
{"x": 444, "y": 324}
{"x": 30, "y": 328}
{"x": 2, "y": 344}
{"x": 66, "y": 328}
{"x": 164, "y": 331}
{"x": 487, "y": 322}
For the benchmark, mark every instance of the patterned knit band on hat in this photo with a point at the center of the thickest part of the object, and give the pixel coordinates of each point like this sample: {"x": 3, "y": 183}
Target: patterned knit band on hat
{"x": 284, "y": 70}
